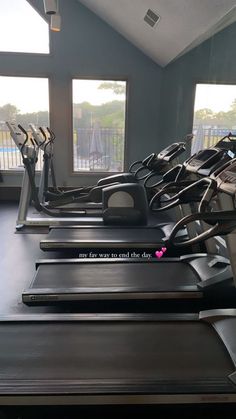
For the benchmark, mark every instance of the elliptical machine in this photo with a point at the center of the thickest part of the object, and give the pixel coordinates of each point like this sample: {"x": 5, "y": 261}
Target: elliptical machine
{"x": 127, "y": 202}
{"x": 91, "y": 196}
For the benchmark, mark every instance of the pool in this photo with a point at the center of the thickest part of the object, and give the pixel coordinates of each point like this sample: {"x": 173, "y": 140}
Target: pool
{"x": 8, "y": 149}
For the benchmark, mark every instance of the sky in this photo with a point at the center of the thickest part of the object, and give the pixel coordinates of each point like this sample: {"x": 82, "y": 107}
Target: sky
{"x": 214, "y": 96}
{"x": 87, "y": 91}
{"x": 20, "y": 26}
{"x": 30, "y": 94}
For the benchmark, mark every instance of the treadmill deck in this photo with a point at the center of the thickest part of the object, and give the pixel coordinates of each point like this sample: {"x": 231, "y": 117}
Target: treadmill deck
{"x": 184, "y": 278}
{"x": 98, "y": 238}
{"x": 55, "y": 282}
{"x": 113, "y": 355}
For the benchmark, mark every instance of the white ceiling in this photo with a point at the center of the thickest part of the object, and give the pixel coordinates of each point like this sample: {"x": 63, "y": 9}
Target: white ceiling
{"x": 183, "y": 24}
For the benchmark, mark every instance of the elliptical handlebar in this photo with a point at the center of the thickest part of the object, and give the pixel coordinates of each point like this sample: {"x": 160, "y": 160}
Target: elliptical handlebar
{"x": 51, "y": 133}
{"x": 25, "y": 141}
{"x": 38, "y": 141}
{"x": 24, "y": 131}
{"x": 43, "y": 133}
{"x": 48, "y": 142}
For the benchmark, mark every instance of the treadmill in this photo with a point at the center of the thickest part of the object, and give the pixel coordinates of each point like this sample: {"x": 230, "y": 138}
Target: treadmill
{"x": 197, "y": 276}
{"x": 113, "y": 240}
{"x": 105, "y": 359}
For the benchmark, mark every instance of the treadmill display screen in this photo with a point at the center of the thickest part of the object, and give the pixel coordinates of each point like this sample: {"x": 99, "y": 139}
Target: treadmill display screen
{"x": 231, "y": 154}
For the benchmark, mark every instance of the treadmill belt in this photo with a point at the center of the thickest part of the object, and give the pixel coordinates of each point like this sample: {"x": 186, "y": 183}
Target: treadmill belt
{"x": 112, "y": 356}
{"x": 102, "y": 237}
{"x": 124, "y": 280}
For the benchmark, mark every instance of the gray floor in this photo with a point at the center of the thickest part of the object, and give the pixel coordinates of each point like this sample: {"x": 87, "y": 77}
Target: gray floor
{"x": 17, "y": 266}
{"x": 17, "y": 269}
{"x": 17, "y": 262}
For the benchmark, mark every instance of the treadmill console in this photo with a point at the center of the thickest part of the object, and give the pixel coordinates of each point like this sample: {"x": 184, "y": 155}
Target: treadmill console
{"x": 231, "y": 154}
{"x": 20, "y": 140}
{"x": 207, "y": 161}
{"x": 37, "y": 135}
{"x": 171, "y": 152}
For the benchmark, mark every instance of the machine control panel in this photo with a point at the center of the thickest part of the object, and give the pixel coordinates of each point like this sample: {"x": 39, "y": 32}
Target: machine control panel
{"x": 171, "y": 152}
{"x": 209, "y": 161}
{"x": 202, "y": 159}
{"x": 20, "y": 140}
{"x": 37, "y": 135}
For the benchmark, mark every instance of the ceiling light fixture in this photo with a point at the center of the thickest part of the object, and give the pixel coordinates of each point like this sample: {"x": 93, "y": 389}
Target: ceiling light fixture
{"x": 50, "y": 7}
{"x": 55, "y": 22}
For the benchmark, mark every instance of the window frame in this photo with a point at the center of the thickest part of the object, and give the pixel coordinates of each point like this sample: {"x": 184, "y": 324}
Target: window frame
{"x": 220, "y": 242}
{"x": 209, "y": 82}
{"x": 85, "y": 173}
{"x": 12, "y": 172}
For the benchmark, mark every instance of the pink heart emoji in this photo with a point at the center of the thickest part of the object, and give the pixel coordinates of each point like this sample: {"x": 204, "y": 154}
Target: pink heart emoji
{"x": 164, "y": 249}
{"x": 159, "y": 254}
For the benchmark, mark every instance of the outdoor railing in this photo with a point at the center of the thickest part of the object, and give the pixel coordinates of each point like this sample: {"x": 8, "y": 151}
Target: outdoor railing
{"x": 93, "y": 150}
{"x": 208, "y": 137}
{"x": 98, "y": 149}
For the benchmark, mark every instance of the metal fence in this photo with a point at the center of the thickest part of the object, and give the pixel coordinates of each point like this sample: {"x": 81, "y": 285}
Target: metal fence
{"x": 98, "y": 149}
{"x": 207, "y": 137}
{"x": 93, "y": 150}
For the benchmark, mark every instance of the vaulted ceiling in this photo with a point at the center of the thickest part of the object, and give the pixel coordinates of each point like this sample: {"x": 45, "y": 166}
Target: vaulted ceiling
{"x": 183, "y": 24}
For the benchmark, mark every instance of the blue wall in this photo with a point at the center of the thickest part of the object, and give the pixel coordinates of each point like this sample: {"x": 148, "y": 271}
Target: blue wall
{"x": 88, "y": 47}
{"x": 212, "y": 61}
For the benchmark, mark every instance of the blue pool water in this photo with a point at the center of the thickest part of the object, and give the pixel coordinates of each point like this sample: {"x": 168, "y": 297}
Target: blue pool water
{"x": 7, "y": 149}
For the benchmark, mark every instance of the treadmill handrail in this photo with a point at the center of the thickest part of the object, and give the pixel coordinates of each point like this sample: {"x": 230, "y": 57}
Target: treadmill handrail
{"x": 224, "y": 222}
{"x": 180, "y": 197}
{"x": 169, "y": 175}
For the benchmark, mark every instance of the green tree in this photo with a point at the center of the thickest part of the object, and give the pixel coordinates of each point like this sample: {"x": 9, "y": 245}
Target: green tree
{"x": 205, "y": 114}
{"x": 108, "y": 115}
{"x": 8, "y": 112}
{"x": 118, "y": 88}
{"x": 233, "y": 105}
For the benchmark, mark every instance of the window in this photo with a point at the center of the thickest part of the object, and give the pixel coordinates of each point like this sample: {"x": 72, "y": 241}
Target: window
{"x": 23, "y": 100}
{"x": 214, "y": 114}
{"x": 22, "y": 29}
{"x": 214, "y": 117}
{"x": 98, "y": 125}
